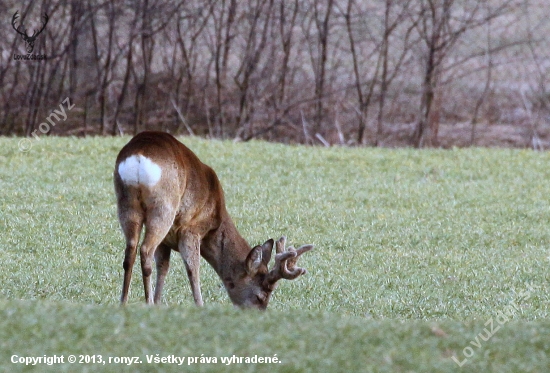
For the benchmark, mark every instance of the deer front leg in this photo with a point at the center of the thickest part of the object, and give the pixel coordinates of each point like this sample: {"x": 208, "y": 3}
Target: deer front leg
{"x": 162, "y": 260}
{"x": 146, "y": 253}
{"x": 189, "y": 248}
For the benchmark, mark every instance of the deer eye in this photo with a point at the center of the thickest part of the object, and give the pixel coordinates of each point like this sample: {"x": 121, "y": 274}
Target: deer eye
{"x": 230, "y": 284}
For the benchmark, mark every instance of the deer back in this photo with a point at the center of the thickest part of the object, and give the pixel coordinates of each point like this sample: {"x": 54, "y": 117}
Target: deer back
{"x": 164, "y": 171}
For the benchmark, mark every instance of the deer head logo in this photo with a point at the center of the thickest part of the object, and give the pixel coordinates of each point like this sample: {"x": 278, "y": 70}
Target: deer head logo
{"x": 29, "y": 40}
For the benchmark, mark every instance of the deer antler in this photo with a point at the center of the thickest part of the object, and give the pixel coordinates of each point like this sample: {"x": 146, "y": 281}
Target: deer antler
{"x": 24, "y": 33}
{"x": 14, "y": 18}
{"x": 46, "y": 18}
{"x": 285, "y": 262}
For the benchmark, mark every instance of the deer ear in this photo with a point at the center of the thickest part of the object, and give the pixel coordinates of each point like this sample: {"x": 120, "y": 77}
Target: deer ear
{"x": 254, "y": 260}
{"x": 259, "y": 255}
{"x": 267, "y": 248}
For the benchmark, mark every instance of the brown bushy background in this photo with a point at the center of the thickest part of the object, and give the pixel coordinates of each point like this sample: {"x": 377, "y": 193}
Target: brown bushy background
{"x": 381, "y": 73}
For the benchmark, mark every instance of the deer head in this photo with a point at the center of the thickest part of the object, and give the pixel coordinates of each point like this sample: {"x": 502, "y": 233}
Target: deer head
{"x": 29, "y": 40}
{"x": 256, "y": 288}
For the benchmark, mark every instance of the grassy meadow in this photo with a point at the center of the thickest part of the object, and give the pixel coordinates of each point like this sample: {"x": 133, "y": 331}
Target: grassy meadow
{"x": 420, "y": 257}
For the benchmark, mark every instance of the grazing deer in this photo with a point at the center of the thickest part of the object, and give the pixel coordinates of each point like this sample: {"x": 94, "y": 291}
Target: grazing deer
{"x": 162, "y": 185}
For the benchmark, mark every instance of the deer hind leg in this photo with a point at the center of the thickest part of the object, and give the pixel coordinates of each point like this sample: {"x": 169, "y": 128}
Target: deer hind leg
{"x": 189, "y": 248}
{"x": 131, "y": 222}
{"x": 162, "y": 260}
{"x": 159, "y": 220}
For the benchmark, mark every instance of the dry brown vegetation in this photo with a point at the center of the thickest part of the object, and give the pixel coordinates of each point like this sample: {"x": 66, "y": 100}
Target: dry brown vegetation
{"x": 381, "y": 73}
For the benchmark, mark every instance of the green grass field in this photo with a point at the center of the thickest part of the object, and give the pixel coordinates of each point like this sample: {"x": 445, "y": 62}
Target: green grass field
{"x": 421, "y": 256}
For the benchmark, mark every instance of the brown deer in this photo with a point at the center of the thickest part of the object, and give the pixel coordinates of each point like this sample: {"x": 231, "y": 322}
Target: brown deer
{"x": 162, "y": 185}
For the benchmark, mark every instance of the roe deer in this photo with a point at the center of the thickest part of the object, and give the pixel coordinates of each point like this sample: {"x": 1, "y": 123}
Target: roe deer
{"x": 162, "y": 185}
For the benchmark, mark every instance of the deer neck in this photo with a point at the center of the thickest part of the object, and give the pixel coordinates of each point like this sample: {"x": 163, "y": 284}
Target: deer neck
{"x": 225, "y": 249}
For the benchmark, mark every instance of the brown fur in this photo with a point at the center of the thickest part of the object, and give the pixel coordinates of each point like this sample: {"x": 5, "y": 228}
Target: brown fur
{"x": 185, "y": 211}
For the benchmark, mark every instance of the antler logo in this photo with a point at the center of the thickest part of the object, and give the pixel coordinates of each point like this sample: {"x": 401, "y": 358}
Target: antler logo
{"x": 29, "y": 40}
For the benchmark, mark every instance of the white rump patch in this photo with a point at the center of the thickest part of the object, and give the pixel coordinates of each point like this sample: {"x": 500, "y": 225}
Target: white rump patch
{"x": 138, "y": 169}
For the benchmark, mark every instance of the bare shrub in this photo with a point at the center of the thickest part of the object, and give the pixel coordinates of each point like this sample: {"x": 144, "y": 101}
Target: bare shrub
{"x": 326, "y": 72}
